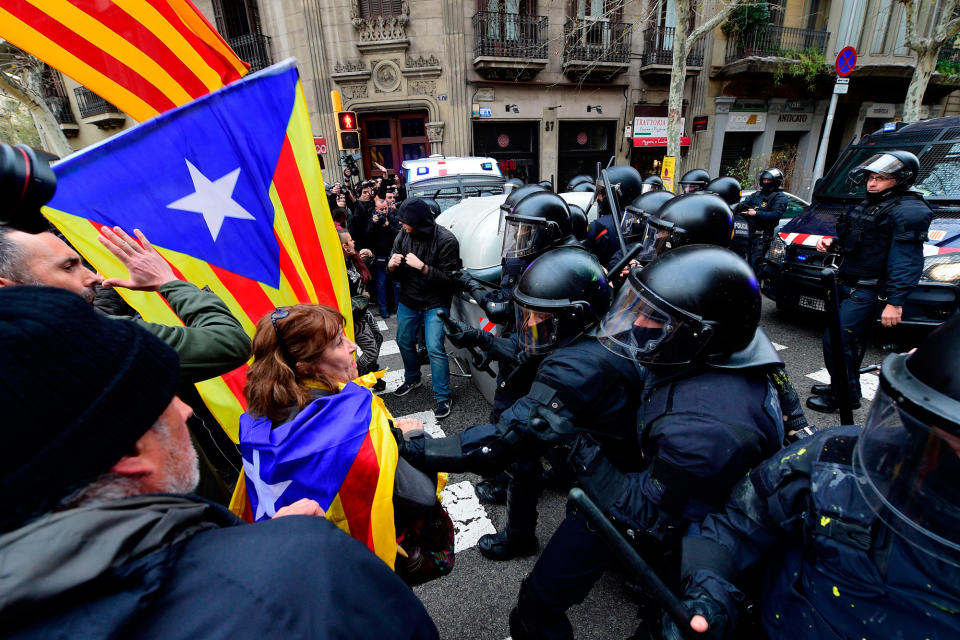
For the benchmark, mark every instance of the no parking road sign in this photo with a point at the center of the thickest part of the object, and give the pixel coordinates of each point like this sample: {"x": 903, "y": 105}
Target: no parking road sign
{"x": 846, "y": 61}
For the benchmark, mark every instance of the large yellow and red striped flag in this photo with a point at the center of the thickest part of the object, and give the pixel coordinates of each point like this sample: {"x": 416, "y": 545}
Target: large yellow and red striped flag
{"x": 228, "y": 188}
{"x": 144, "y": 56}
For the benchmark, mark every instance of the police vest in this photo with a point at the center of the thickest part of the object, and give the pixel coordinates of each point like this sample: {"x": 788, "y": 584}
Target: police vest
{"x": 865, "y": 233}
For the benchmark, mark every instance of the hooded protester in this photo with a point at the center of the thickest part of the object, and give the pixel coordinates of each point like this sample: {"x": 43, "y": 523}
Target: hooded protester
{"x": 423, "y": 260}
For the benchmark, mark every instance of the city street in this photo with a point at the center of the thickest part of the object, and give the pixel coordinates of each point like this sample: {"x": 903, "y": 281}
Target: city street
{"x": 473, "y": 603}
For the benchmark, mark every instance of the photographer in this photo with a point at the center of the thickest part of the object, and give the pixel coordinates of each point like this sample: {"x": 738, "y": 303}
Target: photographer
{"x": 380, "y": 234}
{"x": 362, "y": 214}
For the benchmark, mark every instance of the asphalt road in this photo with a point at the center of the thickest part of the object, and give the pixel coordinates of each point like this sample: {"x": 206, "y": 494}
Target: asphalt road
{"x": 473, "y": 603}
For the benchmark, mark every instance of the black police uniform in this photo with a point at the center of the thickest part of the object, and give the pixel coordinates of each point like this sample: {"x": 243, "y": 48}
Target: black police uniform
{"x": 838, "y": 571}
{"x": 770, "y": 207}
{"x": 695, "y": 444}
{"x": 880, "y": 242}
{"x": 601, "y": 238}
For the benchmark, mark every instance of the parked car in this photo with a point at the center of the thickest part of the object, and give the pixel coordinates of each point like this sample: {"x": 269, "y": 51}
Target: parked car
{"x": 790, "y": 274}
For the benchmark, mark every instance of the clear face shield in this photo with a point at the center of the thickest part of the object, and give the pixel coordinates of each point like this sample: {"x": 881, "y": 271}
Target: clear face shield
{"x": 521, "y": 236}
{"x": 882, "y": 163}
{"x": 633, "y": 223}
{"x": 656, "y": 238}
{"x": 646, "y": 330}
{"x": 909, "y": 473}
{"x": 537, "y": 329}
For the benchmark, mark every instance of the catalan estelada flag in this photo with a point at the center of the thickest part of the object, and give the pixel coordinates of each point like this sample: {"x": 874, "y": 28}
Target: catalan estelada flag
{"x": 338, "y": 451}
{"x": 228, "y": 189}
{"x": 144, "y": 56}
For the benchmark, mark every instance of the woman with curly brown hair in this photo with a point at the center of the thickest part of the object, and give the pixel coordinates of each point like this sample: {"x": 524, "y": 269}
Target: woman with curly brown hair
{"x": 313, "y": 429}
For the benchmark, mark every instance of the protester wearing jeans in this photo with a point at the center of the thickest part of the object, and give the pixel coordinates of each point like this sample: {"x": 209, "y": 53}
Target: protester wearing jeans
{"x": 422, "y": 260}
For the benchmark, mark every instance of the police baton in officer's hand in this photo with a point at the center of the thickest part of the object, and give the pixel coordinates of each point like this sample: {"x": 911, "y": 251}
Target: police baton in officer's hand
{"x": 651, "y": 582}
{"x": 614, "y": 210}
{"x": 614, "y": 274}
{"x": 839, "y": 383}
{"x": 480, "y": 363}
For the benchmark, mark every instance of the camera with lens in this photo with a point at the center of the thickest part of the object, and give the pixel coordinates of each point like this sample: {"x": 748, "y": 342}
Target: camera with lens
{"x": 26, "y": 184}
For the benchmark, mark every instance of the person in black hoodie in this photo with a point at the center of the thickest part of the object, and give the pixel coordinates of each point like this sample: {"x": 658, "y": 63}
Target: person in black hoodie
{"x": 380, "y": 234}
{"x": 422, "y": 260}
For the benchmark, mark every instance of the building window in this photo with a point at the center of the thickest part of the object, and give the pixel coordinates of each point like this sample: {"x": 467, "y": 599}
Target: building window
{"x": 374, "y": 8}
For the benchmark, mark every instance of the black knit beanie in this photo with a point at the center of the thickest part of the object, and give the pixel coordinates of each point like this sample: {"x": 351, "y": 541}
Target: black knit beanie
{"x": 77, "y": 391}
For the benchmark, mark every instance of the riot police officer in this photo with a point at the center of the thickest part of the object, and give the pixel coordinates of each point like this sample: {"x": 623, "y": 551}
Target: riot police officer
{"x": 730, "y": 190}
{"x": 559, "y": 299}
{"x": 857, "y": 531}
{"x": 578, "y": 180}
{"x": 633, "y": 220}
{"x": 652, "y": 183}
{"x": 880, "y": 243}
{"x": 694, "y": 180}
{"x": 763, "y": 209}
{"x": 707, "y": 414}
{"x": 601, "y": 238}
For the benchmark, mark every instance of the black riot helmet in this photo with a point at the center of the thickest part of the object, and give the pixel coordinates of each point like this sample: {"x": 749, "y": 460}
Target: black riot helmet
{"x": 727, "y": 188}
{"x": 691, "y": 218}
{"x": 908, "y": 455}
{"x": 514, "y": 197}
{"x": 625, "y": 182}
{"x": 547, "y": 185}
{"x": 560, "y": 296}
{"x": 901, "y": 165}
{"x": 578, "y": 221}
{"x": 694, "y": 180}
{"x": 770, "y": 180}
{"x": 538, "y": 222}
{"x": 434, "y": 206}
{"x": 26, "y": 183}
{"x": 695, "y": 304}
{"x": 652, "y": 183}
{"x": 577, "y": 180}
{"x": 584, "y": 187}
{"x": 515, "y": 183}
{"x": 633, "y": 222}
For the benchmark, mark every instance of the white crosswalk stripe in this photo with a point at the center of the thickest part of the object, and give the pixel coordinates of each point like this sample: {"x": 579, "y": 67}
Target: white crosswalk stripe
{"x": 470, "y": 520}
{"x": 381, "y": 325}
{"x": 868, "y": 382}
{"x": 394, "y": 378}
{"x": 779, "y": 347}
{"x": 389, "y": 348}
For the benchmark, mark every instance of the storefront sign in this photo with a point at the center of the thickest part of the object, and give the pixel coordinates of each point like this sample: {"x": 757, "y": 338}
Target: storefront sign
{"x": 667, "y": 170}
{"x": 747, "y": 121}
{"x": 799, "y": 106}
{"x": 748, "y": 105}
{"x": 320, "y": 144}
{"x": 700, "y": 123}
{"x": 651, "y": 131}
{"x": 794, "y": 121}
{"x": 486, "y": 112}
{"x": 881, "y": 110}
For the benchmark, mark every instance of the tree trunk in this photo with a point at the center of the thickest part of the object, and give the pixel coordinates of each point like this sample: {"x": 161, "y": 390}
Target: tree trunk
{"x": 678, "y": 76}
{"x": 52, "y": 133}
{"x": 926, "y": 64}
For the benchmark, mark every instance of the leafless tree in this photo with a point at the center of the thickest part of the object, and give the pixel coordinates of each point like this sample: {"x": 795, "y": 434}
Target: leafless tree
{"x": 946, "y": 25}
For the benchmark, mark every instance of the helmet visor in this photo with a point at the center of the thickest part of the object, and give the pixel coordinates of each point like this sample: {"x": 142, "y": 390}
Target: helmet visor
{"x": 537, "y": 330}
{"x": 883, "y": 163}
{"x": 910, "y": 475}
{"x": 656, "y": 238}
{"x": 641, "y": 328}
{"x": 520, "y": 236}
{"x": 632, "y": 223}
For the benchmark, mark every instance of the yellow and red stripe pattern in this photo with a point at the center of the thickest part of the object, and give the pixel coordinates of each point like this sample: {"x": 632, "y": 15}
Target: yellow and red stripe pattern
{"x": 311, "y": 264}
{"x": 144, "y": 56}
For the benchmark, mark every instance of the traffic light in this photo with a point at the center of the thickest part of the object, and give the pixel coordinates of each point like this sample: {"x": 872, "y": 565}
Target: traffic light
{"x": 348, "y": 133}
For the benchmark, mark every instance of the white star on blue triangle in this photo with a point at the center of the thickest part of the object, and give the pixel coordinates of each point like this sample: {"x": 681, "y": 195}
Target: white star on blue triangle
{"x": 267, "y": 494}
{"x": 212, "y": 199}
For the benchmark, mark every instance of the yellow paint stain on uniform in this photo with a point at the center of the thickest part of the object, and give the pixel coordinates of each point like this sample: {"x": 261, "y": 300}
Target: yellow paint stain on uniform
{"x": 824, "y": 521}
{"x": 798, "y": 454}
{"x": 836, "y": 591}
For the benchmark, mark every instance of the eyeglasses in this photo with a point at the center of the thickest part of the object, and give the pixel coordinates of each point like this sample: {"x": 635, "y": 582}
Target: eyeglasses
{"x": 279, "y": 314}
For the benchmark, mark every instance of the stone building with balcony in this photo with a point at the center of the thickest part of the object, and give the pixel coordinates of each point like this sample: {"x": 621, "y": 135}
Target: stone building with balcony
{"x": 749, "y": 106}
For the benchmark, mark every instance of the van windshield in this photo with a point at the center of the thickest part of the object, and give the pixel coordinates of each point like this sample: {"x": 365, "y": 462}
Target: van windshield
{"x": 939, "y": 176}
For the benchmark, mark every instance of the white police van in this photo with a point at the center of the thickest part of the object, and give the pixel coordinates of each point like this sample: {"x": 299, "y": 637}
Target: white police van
{"x": 448, "y": 179}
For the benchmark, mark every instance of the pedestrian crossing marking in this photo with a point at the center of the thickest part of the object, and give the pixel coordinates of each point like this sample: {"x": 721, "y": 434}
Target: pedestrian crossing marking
{"x": 779, "y": 347}
{"x": 381, "y": 325}
{"x": 430, "y": 424}
{"x": 868, "y": 382}
{"x": 389, "y": 348}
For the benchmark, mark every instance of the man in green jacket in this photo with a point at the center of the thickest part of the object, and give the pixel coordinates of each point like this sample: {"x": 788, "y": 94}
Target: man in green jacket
{"x": 211, "y": 342}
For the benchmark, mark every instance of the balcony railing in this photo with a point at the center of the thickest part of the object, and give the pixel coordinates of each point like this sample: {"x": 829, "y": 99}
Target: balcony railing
{"x": 60, "y": 106}
{"x": 510, "y": 35}
{"x": 783, "y": 42}
{"x": 90, "y": 104}
{"x": 597, "y": 41}
{"x": 252, "y": 48}
{"x": 658, "y": 48}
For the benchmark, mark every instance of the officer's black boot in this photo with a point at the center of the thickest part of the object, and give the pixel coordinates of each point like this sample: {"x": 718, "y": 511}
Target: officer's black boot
{"x": 493, "y": 490}
{"x": 533, "y": 619}
{"x": 518, "y": 538}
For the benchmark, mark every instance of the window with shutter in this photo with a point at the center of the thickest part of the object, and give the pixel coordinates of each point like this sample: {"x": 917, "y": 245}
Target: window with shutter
{"x": 374, "y": 8}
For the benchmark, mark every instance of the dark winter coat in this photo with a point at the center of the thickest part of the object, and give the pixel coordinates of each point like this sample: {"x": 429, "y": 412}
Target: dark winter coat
{"x": 438, "y": 248}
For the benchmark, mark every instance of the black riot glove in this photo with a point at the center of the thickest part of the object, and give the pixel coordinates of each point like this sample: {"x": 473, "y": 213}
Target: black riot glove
{"x": 599, "y": 478}
{"x": 703, "y": 605}
{"x": 466, "y": 336}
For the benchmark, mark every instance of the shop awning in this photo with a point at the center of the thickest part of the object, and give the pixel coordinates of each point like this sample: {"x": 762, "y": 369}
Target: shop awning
{"x": 647, "y": 141}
